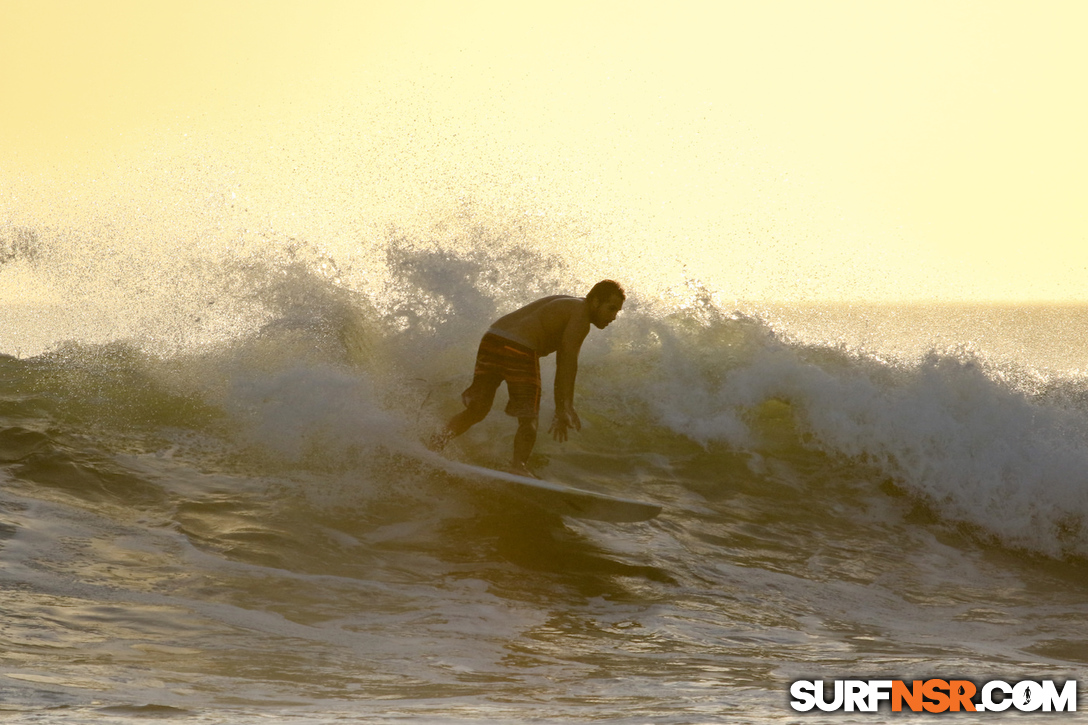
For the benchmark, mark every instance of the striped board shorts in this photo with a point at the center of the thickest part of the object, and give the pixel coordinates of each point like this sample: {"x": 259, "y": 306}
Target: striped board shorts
{"x": 500, "y": 359}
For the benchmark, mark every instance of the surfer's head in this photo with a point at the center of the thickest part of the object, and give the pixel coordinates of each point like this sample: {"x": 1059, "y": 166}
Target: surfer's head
{"x": 605, "y": 301}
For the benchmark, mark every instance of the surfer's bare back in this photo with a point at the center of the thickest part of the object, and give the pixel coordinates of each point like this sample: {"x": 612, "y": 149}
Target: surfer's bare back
{"x": 511, "y": 350}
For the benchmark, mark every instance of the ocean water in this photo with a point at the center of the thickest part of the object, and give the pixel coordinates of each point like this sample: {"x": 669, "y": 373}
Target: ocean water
{"x": 212, "y": 506}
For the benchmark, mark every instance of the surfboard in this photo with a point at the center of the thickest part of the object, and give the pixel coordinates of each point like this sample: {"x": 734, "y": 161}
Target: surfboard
{"x": 558, "y": 497}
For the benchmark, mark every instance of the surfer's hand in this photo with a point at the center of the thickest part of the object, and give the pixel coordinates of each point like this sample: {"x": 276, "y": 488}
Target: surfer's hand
{"x": 564, "y": 418}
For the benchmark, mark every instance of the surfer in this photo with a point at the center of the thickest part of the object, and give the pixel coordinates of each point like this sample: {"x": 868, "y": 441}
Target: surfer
{"x": 511, "y": 350}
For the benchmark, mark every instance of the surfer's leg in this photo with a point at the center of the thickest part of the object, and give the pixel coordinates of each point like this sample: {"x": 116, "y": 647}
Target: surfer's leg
{"x": 523, "y": 382}
{"x": 524, "y": 440}
{"x": 477, "y": 398}
{"x": 467, "y": 418}
{"x": 477, "y": 407}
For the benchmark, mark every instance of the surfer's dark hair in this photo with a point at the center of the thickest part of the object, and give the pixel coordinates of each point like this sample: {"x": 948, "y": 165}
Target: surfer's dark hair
{"x": 605, "y": 289}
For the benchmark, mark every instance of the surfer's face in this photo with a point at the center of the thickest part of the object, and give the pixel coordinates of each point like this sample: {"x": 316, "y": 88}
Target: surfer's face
{"x": 601, "y": 314}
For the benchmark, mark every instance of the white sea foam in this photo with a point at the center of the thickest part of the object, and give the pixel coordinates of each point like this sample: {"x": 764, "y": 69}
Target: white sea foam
{"x": 951, "y": 429}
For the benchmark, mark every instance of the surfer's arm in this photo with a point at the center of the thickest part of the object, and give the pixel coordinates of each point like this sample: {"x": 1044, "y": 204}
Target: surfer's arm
{"x": 566, "y": 370}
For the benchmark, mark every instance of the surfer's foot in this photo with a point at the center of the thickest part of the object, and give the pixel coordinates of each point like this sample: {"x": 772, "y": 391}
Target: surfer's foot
{"x": 522, "y": 470}
{"x": 439, "y": 440}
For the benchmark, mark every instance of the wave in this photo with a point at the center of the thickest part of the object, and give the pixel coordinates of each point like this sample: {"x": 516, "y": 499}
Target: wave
{"x": 971, "y": 440}
{"x": 283, "y": 364}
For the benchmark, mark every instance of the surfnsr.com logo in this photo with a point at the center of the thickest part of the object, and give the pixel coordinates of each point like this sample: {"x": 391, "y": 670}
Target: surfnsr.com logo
{"x": 934, "y": 696}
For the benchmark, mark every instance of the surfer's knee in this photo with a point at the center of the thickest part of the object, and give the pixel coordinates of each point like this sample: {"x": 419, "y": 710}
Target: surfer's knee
{"x": 476, "y": 408}
{"x": 527, "y": 424}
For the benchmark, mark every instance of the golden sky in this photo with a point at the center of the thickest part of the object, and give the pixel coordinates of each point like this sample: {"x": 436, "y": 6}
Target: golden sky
{"x": 806, "y": 150}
